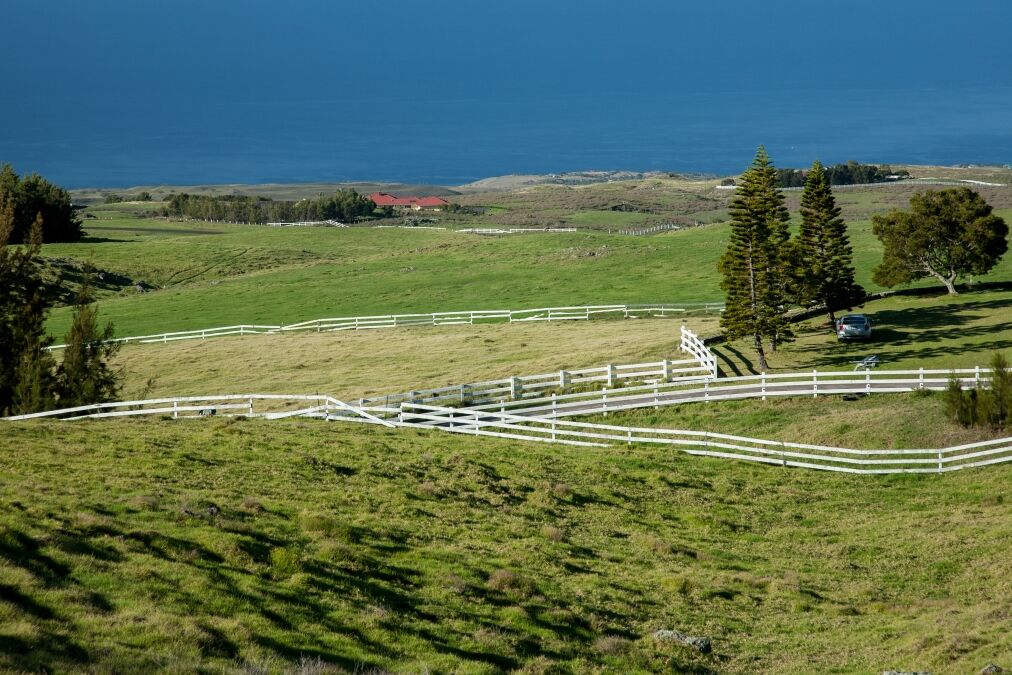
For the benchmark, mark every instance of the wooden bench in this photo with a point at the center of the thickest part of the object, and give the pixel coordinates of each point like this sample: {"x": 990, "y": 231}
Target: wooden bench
{"x": 867, "y": 363}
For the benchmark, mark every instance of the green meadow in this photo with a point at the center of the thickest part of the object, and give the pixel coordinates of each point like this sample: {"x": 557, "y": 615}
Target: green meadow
{"x": 297, "y": 546}
{"x": 303, "y": 547}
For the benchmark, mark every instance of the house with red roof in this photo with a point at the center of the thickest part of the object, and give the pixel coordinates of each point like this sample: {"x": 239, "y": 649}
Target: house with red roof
{"x": 412, "y": 203}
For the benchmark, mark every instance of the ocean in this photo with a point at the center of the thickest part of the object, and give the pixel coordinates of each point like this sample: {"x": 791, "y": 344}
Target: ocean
{"x": 127, "y": 93}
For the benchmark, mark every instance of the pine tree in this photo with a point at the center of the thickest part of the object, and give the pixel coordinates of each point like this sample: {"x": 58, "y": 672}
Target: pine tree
{"x": 754, "y": 264}
{"x": 825, "y": 258}
{"x": 84, "y": 375}
{"x": 26, "y": 366}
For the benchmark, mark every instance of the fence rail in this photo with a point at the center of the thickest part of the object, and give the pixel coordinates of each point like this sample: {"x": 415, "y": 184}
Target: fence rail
{"x": 705, "y": 389}
{"x": 517, "y": 389}
{"x": 708, "y": 444}
{"x": 533, "y": 420}
{"x": 471, "y": 317}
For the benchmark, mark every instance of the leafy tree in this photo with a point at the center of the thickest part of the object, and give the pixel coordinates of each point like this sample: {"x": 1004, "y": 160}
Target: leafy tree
{"x": 32, "y": 196}
{"x": 946, "y": 233}
{"x": 824, "y": 259}
{"x": 84, "y": 375}
{"x": 753, "y": 266}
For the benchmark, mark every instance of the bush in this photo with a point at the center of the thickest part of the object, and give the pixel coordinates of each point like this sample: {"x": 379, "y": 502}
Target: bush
{"x": 983, "y": 406}
{"x": 285, "y": 562}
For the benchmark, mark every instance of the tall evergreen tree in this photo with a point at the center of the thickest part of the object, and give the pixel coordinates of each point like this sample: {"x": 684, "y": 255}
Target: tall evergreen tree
{"x": 754, "y": 265}
{"x": 824, "y": 256}
{"x": 25, "y": 365}
{"x": 84, "y": 375}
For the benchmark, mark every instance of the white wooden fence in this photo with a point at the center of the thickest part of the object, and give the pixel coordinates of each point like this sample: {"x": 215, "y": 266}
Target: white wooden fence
{"x": 526, "y": 387}
{"x": 706, "y": 389}
{"x": 709, "y": 444}
{"x": 515, "y": 230}
{"x": 575, "y": 313}
{"x": 533, "y": 421}
{"x": 267, "y": 406}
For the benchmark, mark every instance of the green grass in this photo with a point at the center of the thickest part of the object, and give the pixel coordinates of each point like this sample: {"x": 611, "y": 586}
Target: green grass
{"x": 212, "y": 545}
{"x": 244, "y": 274}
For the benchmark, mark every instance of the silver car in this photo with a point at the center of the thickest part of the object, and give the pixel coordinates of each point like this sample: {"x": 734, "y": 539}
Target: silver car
{"x": 853, "y": 327}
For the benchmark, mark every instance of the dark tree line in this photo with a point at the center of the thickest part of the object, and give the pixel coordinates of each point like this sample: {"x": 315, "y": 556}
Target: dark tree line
{"x": 32, "y": 196}
{"x": 344, "y": 205}
{"x": 851, "y": 173}
{"x": 30, "y": 377}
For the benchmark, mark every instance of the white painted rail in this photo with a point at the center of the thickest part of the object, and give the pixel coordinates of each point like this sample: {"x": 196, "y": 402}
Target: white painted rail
{"x": 519, "y": 388}
{"x": 709, "y": 444}
{"x": 470, "y": 317}
{"x": 534, "y": 421}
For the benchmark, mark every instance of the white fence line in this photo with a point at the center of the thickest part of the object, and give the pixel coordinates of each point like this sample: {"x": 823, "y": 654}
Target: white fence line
{"x": 471, "y": 317}
{"x": 515, "y": 230}
{"x": 208, "y": 406}
{"x": 693, "y": 390}
{"x": 515, "y": 389}
{"x": 708, "y": 444}
{"x": 534, "y": 421}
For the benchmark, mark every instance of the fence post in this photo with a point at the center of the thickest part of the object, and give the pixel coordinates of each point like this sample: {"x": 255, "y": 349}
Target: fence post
{"x": 604, "y": 401}
{"x": 939, "y": 460}
{"x": 511, "y": 315}
{"x": 706, "y": 390}
{"x": 867, "y": 381}
{"x": 976, "y": 376}
{"x": 554, "y": 405}
{"x": 815, "y": 384}
{"x": 175, "y": 410}
{"x": 563, "y": 379}
{"x": 764, "y": 384}
{"x": 921, "y": 383}
{"x": 666, "y": 367}
{"x": 251, "y": 406}
{"x": 516, "y": 390}
{"x": 242, "y": 330}
{"x": 611, "y": 375}
{"x": 628, "y": 437}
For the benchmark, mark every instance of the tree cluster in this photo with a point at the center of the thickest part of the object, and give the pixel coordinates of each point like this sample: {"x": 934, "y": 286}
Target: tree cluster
{"x": 114, "y": 198}
{"x": 989, "y": 407}
{"x": 850, "y": 173}
{"x": 764, "y": 271}
{"x": 30, "y": 378}
{"x": 344, "y": 205}
{"x": 32, "y": 197}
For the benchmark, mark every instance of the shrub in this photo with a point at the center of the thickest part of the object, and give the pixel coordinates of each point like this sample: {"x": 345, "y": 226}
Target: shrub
{"x": 984, "y": 406}
{"x": 553, "y": 533}
{"x": 285, "y": 562}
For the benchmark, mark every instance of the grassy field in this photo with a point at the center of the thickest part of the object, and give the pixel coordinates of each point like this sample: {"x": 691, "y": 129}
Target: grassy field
{"x": 301, "y": 546}
{"x": 367, "y": 363}
{"x": 215, "y": 274}
{"x": 213, "y": 546}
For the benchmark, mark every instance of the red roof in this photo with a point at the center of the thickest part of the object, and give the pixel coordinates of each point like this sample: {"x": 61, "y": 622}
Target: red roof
{"x": 384, "y": 199}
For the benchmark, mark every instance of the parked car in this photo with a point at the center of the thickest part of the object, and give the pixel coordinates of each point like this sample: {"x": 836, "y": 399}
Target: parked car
{"x": 853, "y": 327}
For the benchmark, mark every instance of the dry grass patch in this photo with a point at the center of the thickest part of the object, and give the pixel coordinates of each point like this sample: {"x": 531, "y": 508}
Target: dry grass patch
{"x": 356, "y": 364}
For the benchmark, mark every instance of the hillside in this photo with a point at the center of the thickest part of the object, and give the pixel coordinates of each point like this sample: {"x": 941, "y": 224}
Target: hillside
{"x": 256, "y": 547}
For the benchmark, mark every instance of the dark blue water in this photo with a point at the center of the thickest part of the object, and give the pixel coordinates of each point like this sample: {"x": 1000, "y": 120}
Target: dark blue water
{"x": 449, "y": 91}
